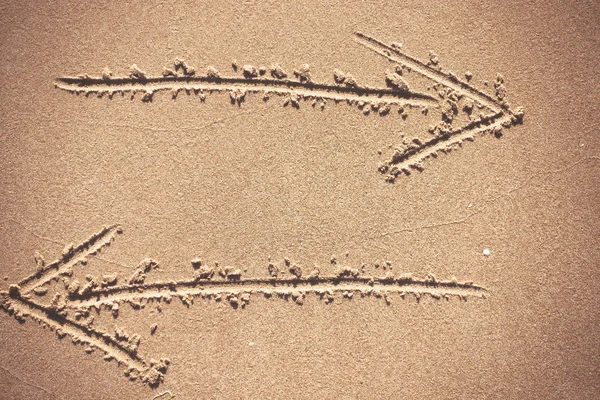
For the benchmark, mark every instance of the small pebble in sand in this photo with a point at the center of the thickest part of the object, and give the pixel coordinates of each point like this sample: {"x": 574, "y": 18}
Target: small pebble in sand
{"x": 136, "y": 73}
{"x": 40, "y": 290}
{"x": 273, "y": 270}
{"x": 106, "y": 74}
{"x": 350, "y": 81}
{"x": 296, "y": 271}
{"x": 249, "y": 71}
{"x": 303, "y": 73}
{"x": 433, "y": 58}
{"x": 396, "y": 82}
{"x": 212, "y": 72}
{"x": 278, "y": 72}
{"x": 339, "y": 76}
{"x": 486, "y": 252}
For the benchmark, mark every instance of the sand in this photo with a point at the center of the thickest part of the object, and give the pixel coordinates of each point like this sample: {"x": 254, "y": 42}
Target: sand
{"x": 341, "y": 200}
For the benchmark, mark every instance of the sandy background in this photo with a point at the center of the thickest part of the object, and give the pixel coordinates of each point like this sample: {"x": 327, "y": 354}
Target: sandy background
{"x": 237, "y": 185}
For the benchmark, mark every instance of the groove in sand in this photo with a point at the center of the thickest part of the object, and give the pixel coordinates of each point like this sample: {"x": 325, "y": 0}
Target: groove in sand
{"x": 308, "y": 90}
{"x": 331, "y": 284}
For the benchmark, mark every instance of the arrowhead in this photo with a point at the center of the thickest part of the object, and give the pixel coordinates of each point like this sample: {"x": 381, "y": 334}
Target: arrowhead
{"x": 78, "y": 325}
{"x": 446, "y": 137}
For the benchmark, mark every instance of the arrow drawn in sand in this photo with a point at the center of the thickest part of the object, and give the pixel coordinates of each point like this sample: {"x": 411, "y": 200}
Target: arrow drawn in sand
{"x": 451, "y": 97}
{"x": 72, "y": 309}
{"x": 454, "y": 94}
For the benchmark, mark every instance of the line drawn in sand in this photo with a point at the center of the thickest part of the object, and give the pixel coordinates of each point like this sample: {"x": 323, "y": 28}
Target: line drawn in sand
{"x": 451, "y": 96}
{"x": 74, "y": 306}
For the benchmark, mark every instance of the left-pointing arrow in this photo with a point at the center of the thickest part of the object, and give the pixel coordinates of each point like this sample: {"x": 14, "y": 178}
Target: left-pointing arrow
{"x": 18, "y": 302}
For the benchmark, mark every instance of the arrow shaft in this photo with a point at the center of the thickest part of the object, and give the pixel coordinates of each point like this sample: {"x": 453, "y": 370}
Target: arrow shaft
{"x": 279, "y": 87}
{"x": 273, "y": 286}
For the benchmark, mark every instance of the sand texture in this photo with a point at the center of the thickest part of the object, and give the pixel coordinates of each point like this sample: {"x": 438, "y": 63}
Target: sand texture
{"x": 267, "y": 200}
